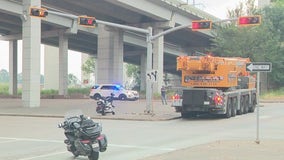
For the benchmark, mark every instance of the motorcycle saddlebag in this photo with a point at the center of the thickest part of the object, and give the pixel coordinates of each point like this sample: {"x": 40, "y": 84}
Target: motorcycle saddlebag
{"x": 102, "y": 140}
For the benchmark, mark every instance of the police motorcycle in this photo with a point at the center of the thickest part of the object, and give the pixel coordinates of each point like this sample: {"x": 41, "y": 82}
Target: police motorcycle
{"x": 84, "y": 136}
{"x": 104, "y": 105}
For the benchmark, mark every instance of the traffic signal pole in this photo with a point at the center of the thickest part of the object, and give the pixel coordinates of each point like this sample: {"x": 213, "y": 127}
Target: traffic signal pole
{"x": 149, "y": 40}
{"x": 169, "y": 31}
{"x": 149, "y": 89}
{"x": 186, "y": 26}
{"x": 148, "y": 32}
{"x": 149, "y": 65}
{"x": 63, "y": 14}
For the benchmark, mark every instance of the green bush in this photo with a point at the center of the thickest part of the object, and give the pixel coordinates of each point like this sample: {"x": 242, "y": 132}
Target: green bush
{"x": 4, "y": 88}
{"x": 49, "y": 92}
{"x": 279, "y": 93}
{"x": 71, "y": 91}
{"x": 84, "y": 91}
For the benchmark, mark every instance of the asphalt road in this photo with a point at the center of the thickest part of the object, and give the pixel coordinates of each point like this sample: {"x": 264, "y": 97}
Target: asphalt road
{"x": 38, "y": 138}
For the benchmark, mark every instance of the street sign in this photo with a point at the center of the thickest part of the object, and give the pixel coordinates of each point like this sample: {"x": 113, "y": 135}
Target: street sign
{"x": 152, "y": 75}
{"x": 259, "y": 67}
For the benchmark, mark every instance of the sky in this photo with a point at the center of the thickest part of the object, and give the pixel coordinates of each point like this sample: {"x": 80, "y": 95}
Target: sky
{"x": 217, "y": 8}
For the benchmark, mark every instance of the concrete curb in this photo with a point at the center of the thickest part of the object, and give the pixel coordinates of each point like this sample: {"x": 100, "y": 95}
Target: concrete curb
{"x": 126, "y": 110}
{"x": 144, "y": 118}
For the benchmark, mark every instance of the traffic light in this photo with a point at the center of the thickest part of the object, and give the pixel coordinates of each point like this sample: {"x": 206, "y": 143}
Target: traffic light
{"x": 249, "y": 20}
{"x": 201, "y": 25}
{"x": 38, "y": 12}
{"x": 87, "y": 21}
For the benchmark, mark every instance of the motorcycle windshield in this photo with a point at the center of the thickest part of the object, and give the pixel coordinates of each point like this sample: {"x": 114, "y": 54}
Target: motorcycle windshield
{"x": 73, "y": 115}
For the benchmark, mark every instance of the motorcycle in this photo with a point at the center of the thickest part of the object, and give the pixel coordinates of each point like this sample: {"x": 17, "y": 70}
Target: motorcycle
{"x": 104, "y": 105}
{"x": 84, "y": 136}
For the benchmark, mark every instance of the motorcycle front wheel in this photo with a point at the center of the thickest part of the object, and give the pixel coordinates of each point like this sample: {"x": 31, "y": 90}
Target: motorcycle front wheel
{"x": 94, "y": 156}
{"x": 103, "y": 112}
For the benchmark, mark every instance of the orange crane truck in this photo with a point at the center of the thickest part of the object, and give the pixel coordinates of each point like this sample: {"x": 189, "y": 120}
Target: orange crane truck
{"x": 215, "y": 85}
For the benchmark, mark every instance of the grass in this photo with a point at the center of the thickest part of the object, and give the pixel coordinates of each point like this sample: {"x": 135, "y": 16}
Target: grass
{"x": 274, "y": 94}
{"x": 4, "y": 90}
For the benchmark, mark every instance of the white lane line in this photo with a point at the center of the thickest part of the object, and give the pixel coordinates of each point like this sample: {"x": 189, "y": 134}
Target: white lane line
{"x": 142, "y": 147}
{"x": 45, "y": 155}
{"x": 111, "y": 145}
{"x": 264, "y": 117}
{"x": 8, "y": 141}
{"x": 31, "y": 139}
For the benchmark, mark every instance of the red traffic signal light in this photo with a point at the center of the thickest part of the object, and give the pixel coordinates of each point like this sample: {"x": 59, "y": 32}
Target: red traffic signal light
{"x": 38, "y": 12}
{"x": 201, "y": 25}
{"x": 249, "y": 20}
{"x": 87, "y": 21}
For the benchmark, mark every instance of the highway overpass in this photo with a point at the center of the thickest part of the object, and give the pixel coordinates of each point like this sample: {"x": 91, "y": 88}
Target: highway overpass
{"x": 62, "y": 30}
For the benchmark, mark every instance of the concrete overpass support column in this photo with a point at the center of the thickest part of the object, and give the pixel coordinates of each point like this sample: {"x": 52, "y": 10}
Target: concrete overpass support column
{"x": 13, "y": 65}
{"x": 51, "y": 67}
{"x": 31, "y": 57}
{"x": 158, "y": 59}
{"x": 63, "y": 64}
{"x": 110, "y": 55}
{"x": 143, "y": 68}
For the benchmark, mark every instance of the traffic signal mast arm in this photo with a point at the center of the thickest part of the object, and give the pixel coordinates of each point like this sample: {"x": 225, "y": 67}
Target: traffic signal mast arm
{"x": 189, "y": 26}
{"x": 150, "y": 38}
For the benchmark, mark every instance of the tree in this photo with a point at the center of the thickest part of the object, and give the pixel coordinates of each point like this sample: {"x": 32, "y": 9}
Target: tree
{"x": 4, "y": 76}
{"x": 89, "y": 66}
{"x": 247, "y": 8}
{"x": 259, "y": 43}
{"x": 134, "y": 72}
{"x": 231, "y": 40}
{"x": 72, "y": 80}
{"x": 274, "y": 16}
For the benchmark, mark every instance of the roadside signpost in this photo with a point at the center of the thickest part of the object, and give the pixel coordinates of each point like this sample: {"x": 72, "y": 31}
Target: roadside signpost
{"x": 258, "y": 67}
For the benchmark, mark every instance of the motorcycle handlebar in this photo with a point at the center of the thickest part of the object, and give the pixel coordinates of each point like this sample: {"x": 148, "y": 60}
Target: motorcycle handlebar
{"x": 60, "y": 125}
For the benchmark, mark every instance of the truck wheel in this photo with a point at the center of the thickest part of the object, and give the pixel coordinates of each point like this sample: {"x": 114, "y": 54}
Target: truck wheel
{"x": 188, "y": 114}
{"x": 252, "y": 108}
{"x": 229, "y": 108}
{"x": 184, "y": 115}
{"x": 178, "y": 109}
{"x": 103, "y": 112}
{"x": 246, "y": 104}
{"x": 234, "y": 106}
{"x": 241, "y": 111}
